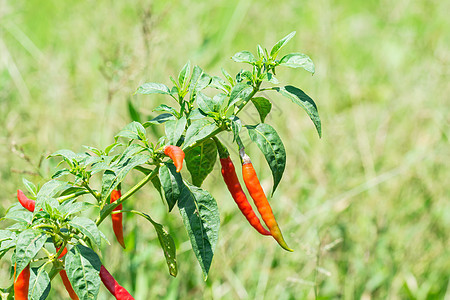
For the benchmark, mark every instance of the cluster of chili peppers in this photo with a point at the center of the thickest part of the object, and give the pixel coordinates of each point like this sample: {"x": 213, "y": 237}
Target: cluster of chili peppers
{"x": 256, "y": 192}
{"x": 22, "y": 282}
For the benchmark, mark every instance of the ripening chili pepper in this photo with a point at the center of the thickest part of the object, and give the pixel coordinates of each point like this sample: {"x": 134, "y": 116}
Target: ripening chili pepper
{"x": 27, "y": 203}
{"x": 113, "y": 286}
{"x": 21, "y": 283}
{"x": 176, "y": 154}
{"x": 254, "y": 188}
{"x": 65, "y": 279}
{"x": 232, "y": 182}
{"x": 117, "y": 218}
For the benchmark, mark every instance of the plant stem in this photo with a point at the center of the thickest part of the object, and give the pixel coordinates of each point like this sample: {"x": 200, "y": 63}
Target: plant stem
{"x": 70, "y": 196}
{"x": 107, "y": 210}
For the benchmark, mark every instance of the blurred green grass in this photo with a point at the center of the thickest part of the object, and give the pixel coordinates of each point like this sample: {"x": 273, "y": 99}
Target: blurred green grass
{"x": 366, "y": 207}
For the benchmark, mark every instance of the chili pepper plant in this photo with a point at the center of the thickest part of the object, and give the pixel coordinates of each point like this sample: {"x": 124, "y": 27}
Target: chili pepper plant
{"x": 57, "y": 227}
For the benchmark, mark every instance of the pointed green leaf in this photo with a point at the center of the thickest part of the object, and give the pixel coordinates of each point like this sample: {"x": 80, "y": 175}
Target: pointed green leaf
{"x": 239, "y": 91}
{"x": 29, "y": 242}
{"x": 166, "y": 108}
{"x": 280, "y": 44}
{"x": 236, "y": 126}
{"x": 200, "y": 161}
{"x": 30, "y": 186}
{"x": 133, "y": 112}
{"x": 263, "y": 106}
{"x": 88, "y": 228}
{"x": 199, "y": 80}
{"x": 18, "y": 213}
{"x": 201, "y": 219}
{"x": 206, "y": 104}
{"x": 183, "y": 76}
{"x": 162, "y": 118}
{"x": 198, "y": 130}
{"x": 167, "y": 245}
{"x": 260, "y": 51}
{"x": 82, "y": 265}
{"x": 171, "y": 182}
{"x": 245, "y": 57}
{"x": 298, "y": 60}
{"x": 39, "y": 284}
{"x": 134, "y": 131}
{"x": 299, "y": 97}
{"x": 272, "y": 147}
{"x": 153, "y": 88}
{"x": 174, "y": 129}
{"x": 227, "y": 76}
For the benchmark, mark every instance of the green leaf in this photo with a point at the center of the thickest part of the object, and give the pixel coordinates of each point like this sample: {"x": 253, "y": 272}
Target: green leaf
{"x": 174, "y": 129}
{"x": 29, "y": 242}
{"x": 199, "y": 80}
{"x": 39, "y": 284}
{"x": 30, "y": 186}
{"x": 167, "y": 245}
{"x": 220, "y": 84}
{"x": 236, "y": 126}
{"x": 200, "y": 161}
{"x": 88, "y": 228}
{"x": 69, "y": 208}
{"x": 299, "y": 97}
{"x": 172, "y": 184}
{"x": 245, "y": 57}
{"x": 280, "y": 44}
{"x": 298, "y": 60}
{"x": 17, "y": 213}
{"x": 239, "y": 91}
{"x": 6, "y": 235}
{"x": 44, "y": 197}
{"x": 260, "y": 51}
{"x": 162, "y": 118}
{"x": 272, "y": 147}
{"x": 153, "y": 88}
{"x": 133, "y": 112}
{"x": 134, "y": 131}
{"x": 132, "y": 156}
{"x": 83, "y": 268}
{"x": 263, "y": 106}
{"x": 206, "y": 104}
{"x": 157, "y": 184}
{"x": 227, "y": 76}
{"x": 201, "y": 219}
{"x": 198, "y": 130}
{"x": 183, "y": 76}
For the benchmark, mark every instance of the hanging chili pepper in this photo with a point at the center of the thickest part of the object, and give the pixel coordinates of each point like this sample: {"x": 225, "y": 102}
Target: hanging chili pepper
{"x": 254, "y": 188}
{"x": 21, "y": 283}
{"x": 27, "y": 203}
{"x": 65, "y": 279}
{"x": 232, "y": 182}
{"x": 113, "y": 286}
{"x": 117, "y": 218}
{"x": 176, "y": 154}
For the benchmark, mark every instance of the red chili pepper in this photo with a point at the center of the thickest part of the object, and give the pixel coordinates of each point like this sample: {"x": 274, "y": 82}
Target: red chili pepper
{"x": 117, "y": 218}
{"x": 232, "y": 182}
{"x": 21, "y": 283}
{"x": 176, "y": 154}
{"x": 27, "y": 203}
{"x": 254, "y": 188}
{"x": 113, "y": 286}
{"x": 65, "y": 279}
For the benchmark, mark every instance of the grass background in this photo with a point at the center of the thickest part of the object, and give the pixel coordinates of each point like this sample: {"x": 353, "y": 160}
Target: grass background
{"x": 366, "y": 208}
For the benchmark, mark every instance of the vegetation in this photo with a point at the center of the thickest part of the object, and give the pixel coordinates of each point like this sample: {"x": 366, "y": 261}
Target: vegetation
{"x": 365, "y": 208}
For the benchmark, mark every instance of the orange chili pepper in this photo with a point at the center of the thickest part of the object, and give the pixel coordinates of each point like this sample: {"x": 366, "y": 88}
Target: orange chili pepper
{"x": 176, "y": 154}
{"x": 254, "y": 188}
{"x": 232, "y": 182}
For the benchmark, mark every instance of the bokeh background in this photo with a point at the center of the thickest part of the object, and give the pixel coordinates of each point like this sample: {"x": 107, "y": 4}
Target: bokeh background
{"x": 366, "y": 207}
